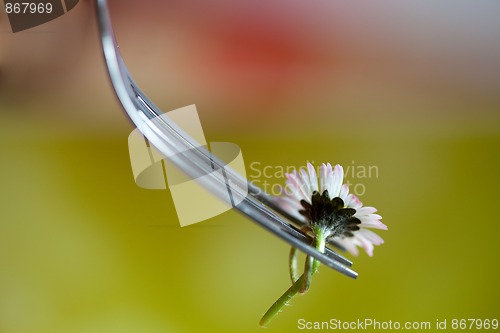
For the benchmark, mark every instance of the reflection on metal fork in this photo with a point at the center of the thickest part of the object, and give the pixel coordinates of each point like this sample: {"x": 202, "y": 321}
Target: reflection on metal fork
{"x": 196, "y": 161}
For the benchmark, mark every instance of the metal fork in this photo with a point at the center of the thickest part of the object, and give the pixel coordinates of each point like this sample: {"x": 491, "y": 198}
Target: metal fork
{"x": 196, "y": 161}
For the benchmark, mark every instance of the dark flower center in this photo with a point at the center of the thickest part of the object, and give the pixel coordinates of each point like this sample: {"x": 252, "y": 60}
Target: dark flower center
{"x": 330, "y": 215}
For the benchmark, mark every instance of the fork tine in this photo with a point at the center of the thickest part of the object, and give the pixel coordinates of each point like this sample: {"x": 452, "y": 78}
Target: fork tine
{"x": 266, "y": 199}
{"x": 308, "y": 240}
{"x": 194, "y": 160}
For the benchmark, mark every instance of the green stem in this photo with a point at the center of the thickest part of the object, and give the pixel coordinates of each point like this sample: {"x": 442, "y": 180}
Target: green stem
{"x": 312, "y": 264}
{"x": 281, "y": 302}
{"x": 292, "y": 262}
{"x": 296, "y": 286}
{"x": 308, "y": 272}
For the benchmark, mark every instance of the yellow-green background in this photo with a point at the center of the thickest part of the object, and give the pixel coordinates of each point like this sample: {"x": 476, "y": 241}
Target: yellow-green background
{"x": 411, "y": 89}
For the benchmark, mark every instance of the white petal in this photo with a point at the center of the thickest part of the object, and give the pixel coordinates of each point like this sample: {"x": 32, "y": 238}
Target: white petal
{"x": 290, "y": 206}
{"x": 363, "y": 238}
{"x": 306, "y": 183}
{"x": 336, "y": 183}
{"x": 371, "y": 236}
{"x": 352, "y": 201}
{"x": 322, "y": 178}
{"x": 365, "y": 244}
{"x": 329, "y": 179}
{"x": 296, "y": 188}
{"x": 290, "y": 191}
{"x": 366, "y": 210}
{"x": 313, "y": 179}
{"x": 349, "y": 243}
{"x": 375, "y": 224}
{"x": 344, "y": 192}
{"x": 291, "y": 202}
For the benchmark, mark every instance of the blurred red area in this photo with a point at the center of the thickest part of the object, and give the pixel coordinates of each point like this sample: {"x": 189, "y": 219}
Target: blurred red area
{"x": 259, "y": 57}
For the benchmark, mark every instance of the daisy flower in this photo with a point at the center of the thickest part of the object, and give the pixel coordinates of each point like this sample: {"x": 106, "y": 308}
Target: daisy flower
{"x": 326, "y": 208}
{"x": 326, "y": 203}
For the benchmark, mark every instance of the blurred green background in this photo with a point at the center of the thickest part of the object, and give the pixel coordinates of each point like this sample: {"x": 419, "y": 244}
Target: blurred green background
{"x": 412, "y": 89}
